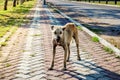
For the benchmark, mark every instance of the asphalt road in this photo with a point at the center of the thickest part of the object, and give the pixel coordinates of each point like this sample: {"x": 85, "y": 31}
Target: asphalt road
{"x": 104, "y": 14}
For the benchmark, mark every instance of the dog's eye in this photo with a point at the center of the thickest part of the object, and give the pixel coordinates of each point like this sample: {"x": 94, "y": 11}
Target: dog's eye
{"x": 60, "y": 32}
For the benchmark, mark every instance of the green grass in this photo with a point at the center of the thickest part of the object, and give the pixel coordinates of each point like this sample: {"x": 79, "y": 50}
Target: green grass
{"x": 95, "y": 39}
{"x": 79, "y": 28}
{"x": 32, "y": 55}
{"x": 107, "y": 49}
{"x": 56, "y": 10}
{"x": 118, "y": 57}
{"x": 37, "y": 35}
{"x": 13, "y": 16}
{"x": 8, "y": 65}
{"x": 3, "y": 30}
{"x": 3, "y": 43}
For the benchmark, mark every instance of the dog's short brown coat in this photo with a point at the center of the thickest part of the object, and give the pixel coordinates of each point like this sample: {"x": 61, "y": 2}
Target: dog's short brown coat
{"x": 69, "y": 31}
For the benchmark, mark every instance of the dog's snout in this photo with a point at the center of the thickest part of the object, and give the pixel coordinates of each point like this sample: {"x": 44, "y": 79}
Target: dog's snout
{"x": 58, "y": 38}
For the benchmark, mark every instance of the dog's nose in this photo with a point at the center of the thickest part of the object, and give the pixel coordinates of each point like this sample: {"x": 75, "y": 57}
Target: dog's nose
{"x": 58, "y": 38}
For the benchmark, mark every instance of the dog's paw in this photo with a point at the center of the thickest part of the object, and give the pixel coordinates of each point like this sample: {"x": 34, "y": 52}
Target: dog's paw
{"x": 68, "y": 60}
{"x": 64, "y": 69}
{"x": 50, "y": 69}
{"x": 79, "y": 59}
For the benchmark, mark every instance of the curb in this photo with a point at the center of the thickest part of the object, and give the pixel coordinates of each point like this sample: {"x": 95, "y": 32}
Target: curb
{"x": 101, "y": 40}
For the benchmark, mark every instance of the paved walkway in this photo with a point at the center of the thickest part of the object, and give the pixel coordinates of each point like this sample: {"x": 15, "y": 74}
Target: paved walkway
{"x": 37, "y": 55}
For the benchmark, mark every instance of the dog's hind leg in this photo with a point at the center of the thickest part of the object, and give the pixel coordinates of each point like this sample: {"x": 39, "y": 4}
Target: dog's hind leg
{"x": 54, "y": 52}
{"x": 77, "y": 45}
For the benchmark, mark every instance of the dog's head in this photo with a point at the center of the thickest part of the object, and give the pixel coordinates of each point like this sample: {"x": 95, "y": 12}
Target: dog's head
{"x": 57, "y": 32}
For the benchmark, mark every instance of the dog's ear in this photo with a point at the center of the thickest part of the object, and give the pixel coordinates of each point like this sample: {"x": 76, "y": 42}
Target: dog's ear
{"x": 63, "y": 28}
{"x": 52, "y": 27}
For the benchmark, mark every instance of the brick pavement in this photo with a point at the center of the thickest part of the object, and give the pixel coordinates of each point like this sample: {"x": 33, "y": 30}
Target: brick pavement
{"x": 95, "y": 50}
{"x": 36, "y": 57}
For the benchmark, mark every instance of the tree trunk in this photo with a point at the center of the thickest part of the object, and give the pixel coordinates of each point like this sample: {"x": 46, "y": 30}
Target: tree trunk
{"x": 89, "y": 0}
{"x": 99, "y": 1}
{"x": 14, "y": 3}
{"x": 44, "y": 2}
{"x": 115, "y": 1}
{"x": 17, "y": 2}
{"x": 5, "y": 4}
{"x": 106, "y": 1}
{"x": 22, "y": 1}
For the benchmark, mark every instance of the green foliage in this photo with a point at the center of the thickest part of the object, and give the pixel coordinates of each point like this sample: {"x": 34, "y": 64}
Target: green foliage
{"x": 107, "y": 49}
{"x": 118, "y": 57}
{"x": 3, "y": 43}
{"x": 13, "y": 17}
{"x": 79, "y": 27}
{"x": 7, "y": 65}
{"x": 95, "y": 39}
{"x": 56, "y": 10}
{"x": 3, "y": 30}
{"x": 37, "y": 35}
{"x": 32, "y": 55}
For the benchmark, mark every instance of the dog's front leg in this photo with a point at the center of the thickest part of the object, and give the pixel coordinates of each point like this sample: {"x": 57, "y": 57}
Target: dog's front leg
{"x": 68, "y": 57}
{"x": 54, "y": 52}
{"x": 65, "y": 56}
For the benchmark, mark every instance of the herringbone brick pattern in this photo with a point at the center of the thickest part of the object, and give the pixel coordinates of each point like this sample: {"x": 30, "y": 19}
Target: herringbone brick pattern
{"x": 35, "y": 59}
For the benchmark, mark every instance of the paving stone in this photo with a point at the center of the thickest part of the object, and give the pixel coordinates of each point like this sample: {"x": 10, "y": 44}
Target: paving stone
{"x": 92, "y": 67}
{"x": 36, "y": 67}
{"x": 22, "y": 76}
{"x": 81, "y": 76}
{"x": 19, "y": 79}
{"x": 89, "y": 78}
{"x": 93, "y": 72}
{"x": 38, "y": 72}
{"x": 24, "y": 68}
{"x": 23, "y": 71}
{"x": 38, "y": 77}
{"x": 98, "y": 69}
{"x": 105, "y": 78}
{"x": 97, "y": 75}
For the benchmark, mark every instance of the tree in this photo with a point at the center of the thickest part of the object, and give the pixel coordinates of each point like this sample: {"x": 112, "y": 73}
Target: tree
{"x": 99, "y": 1}
{"x": 106, "y": 1}
{"x": 44, "y": 2}
{"x": 115, "y": 1}
{"x": 17, "y": 2}
{"x": 22, "y": 1}
{"x": 14, "y": 3}
{"x": 5, "y": 4}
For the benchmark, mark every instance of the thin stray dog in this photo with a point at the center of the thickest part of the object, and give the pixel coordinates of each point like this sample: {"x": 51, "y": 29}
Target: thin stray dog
{"x": 62, "y": 36}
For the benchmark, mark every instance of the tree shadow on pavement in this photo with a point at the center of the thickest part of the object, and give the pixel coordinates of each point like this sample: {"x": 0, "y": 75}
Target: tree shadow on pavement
{"x": 88, "y": 14}
{"x": 89, "y": 71}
